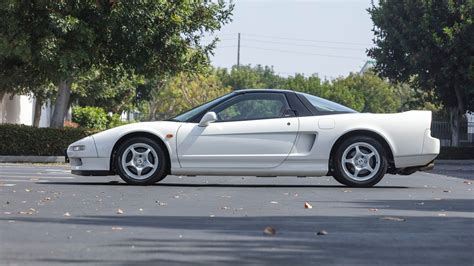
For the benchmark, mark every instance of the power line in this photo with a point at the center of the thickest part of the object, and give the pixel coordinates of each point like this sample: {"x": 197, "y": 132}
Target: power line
{"x": 303, "y": 53}
{"x": 302, "y": 45}
{"x": 303, "y": 40}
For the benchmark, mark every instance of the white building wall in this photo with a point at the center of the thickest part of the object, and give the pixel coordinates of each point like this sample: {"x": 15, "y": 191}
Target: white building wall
{"x": 19, "y": 109}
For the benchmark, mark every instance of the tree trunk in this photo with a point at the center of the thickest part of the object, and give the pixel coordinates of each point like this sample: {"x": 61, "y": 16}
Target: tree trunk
{"x": 455, "y": 114}
{"x": 62, "y": 103}
{"x": 454, "y": 122}
{"x": 2, "y": 93}
{"x": 38, "y": 108}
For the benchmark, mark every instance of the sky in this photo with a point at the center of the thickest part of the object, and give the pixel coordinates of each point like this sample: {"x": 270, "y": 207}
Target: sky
{"x": 323, "y": 37}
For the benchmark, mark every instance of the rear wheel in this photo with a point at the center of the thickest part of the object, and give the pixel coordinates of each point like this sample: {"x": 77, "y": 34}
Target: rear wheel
{"x": 360, "y": 162}
{"x": 141, "y": 161}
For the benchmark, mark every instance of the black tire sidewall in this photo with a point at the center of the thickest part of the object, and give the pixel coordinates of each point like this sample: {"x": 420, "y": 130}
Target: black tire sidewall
{"x": 160, "y": 172}
{"x": 339, "y": 174}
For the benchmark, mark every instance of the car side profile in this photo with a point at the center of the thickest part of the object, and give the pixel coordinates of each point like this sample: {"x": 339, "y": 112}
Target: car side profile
{"x": 263, "y": 133}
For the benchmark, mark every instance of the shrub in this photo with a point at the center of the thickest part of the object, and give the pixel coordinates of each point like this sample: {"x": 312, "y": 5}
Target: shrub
{"x": 456, "y": 153}
{"x": 26, "y": 140}
{"x": 90, "y": 117}
{"x": 115, "y": 120}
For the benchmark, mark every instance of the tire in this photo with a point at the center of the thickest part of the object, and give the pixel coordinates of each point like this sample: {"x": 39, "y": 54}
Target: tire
{"x": 141, "y": 161}
{"x": 360, "y": 161}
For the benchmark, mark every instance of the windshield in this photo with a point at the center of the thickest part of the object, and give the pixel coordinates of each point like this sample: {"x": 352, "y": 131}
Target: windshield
{"x": 196, "y": 110}
{"x": 324, "y": 105}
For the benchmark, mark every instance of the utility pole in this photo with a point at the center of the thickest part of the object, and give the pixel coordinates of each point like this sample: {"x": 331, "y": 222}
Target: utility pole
{"x": 238, "y": 50}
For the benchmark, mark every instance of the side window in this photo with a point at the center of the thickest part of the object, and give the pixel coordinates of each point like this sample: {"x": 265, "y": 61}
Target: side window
{"x": 251, "y": 106}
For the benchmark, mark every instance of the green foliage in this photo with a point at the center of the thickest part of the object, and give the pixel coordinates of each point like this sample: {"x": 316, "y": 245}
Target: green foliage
{"x": 365, "y": 93}
{"x": 90, "y": 117}
{"x": 25, "y": 140}
{"x": 61, "y": 42}
{"x": 248, "y": 77}
{"x": 428, "y": 44}
{"x": 184, "y": 92}
{"x": 114, "y": 120}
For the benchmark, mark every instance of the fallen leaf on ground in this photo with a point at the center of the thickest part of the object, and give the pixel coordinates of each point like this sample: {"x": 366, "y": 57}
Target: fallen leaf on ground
{"x": 67, "y": 214}
{"x": 322, "y": 233}
{"x": 307, "y": 205}
{"x": 269, "y": 231}
{"x": 391, "y": 218}
{"x": 119, "y": 211}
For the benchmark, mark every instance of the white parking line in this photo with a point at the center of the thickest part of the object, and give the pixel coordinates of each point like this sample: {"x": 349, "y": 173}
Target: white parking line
{"x": 38, "y": 177}
{"x": 7, "y": 185}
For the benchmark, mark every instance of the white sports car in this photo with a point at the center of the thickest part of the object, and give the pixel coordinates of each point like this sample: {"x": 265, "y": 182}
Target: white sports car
{"x": 263, "y": 133}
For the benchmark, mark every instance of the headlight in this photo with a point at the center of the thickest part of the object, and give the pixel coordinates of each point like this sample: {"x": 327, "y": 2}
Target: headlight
{"x": 78, "y": 148}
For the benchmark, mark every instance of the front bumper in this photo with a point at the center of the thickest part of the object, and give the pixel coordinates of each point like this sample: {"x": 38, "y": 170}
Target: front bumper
{"x": 87, "y": 160}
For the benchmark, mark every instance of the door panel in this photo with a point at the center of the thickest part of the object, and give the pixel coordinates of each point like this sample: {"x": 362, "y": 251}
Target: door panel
{"x": 261, "y": 143}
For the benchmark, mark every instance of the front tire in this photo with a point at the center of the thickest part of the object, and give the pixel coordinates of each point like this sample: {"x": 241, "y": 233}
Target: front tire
{"x": 141, "y": 161}
{"x": 360, "y": 162}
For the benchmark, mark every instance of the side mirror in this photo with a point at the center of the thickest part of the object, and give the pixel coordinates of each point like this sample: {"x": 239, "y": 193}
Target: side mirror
{"x": 207, "y": 118}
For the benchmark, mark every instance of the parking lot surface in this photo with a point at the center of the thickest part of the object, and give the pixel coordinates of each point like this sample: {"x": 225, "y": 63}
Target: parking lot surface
{"x": 49, "y": 216}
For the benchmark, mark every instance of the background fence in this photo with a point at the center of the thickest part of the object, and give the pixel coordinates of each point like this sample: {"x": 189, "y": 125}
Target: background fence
{"x": 442, "y": 131}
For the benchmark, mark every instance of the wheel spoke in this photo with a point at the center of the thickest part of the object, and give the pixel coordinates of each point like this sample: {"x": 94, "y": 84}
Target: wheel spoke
{"x": 134, "y": 152}
{"x": 356, "y": 172}
{"x": 148, "y": 164}
{"x": 139, "y": 171}
{"x": 146, "y": 153}
{"x": 369, "y": 168}
{"x": 358, "y": 152}
{"x": 351, "y": 161}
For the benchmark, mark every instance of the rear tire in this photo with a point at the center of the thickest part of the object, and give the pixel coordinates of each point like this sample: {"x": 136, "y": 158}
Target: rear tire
{"x": 141, "y": 161}
{"x": 360, "y": 161}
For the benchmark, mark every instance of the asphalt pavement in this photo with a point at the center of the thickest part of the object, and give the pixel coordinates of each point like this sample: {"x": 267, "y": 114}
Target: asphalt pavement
{"x": 50, "y": 217}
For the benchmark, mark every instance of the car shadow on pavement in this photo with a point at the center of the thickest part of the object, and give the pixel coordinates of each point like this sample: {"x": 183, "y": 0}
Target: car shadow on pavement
{"x": 116, "y": 183}
{"x": 189, "y": 240}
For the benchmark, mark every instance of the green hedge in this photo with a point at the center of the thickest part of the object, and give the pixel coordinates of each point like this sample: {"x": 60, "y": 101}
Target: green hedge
{"x": 26, "y": 140}
{"x": 456, "y": 153}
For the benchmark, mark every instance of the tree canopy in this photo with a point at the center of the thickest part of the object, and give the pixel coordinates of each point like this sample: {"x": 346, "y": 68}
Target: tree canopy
{"x": 430, "y": 45}
{"x": 66, "y": 39}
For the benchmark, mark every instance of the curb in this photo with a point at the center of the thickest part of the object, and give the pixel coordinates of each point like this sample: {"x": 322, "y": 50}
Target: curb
{"x": 32, "y": 159}
{"x": 455, "y": 162}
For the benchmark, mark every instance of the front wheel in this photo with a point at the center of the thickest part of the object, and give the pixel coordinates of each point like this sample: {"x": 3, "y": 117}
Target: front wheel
{"x": 360, "y": 162}
{"x": 141, "y": 161}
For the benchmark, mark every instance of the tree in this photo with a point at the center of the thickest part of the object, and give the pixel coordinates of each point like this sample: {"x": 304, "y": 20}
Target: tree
{"x": 184, "y": 92}
{"x": 365, "y": 93}
{"x": 430, "y": 45}
{"x": 66, "y": 39}
{"x": 248, "y": 77}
